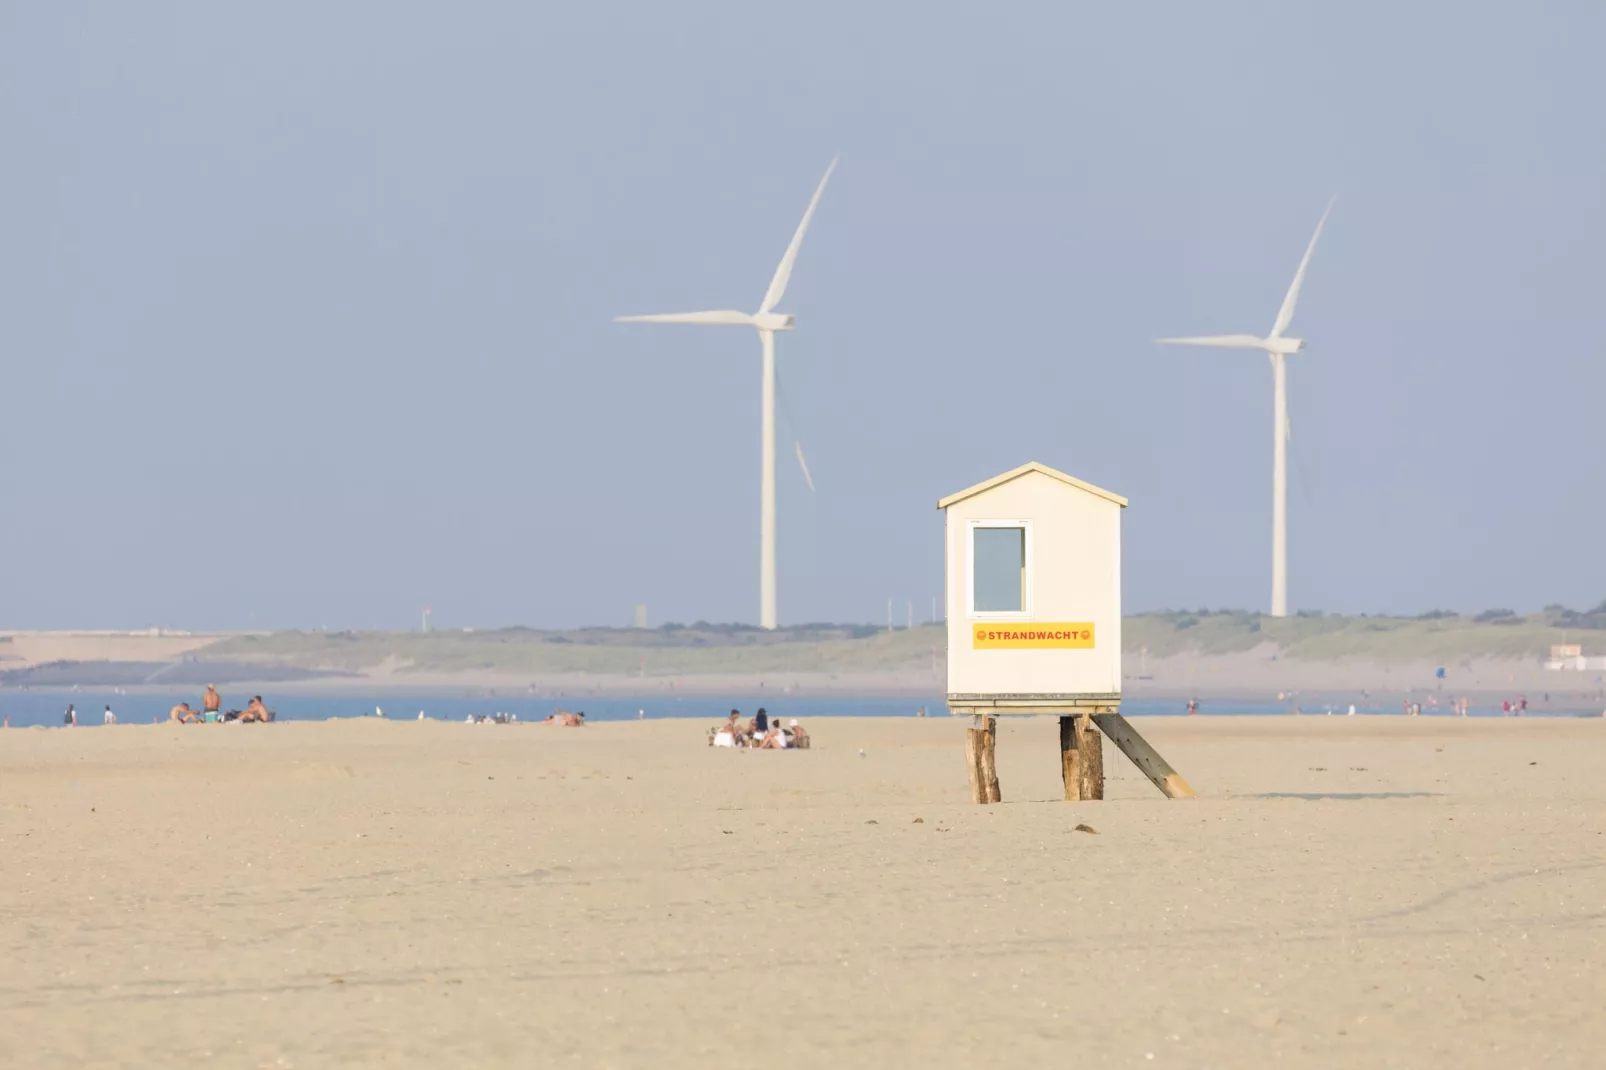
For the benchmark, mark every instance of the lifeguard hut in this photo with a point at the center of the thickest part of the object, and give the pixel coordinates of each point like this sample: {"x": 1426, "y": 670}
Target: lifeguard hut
{"x": 1033, "y": 566}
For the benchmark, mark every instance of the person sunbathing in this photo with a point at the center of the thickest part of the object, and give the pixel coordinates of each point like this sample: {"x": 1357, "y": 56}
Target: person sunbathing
{"x": 800, "y": 738}
{"x": 254, "y": 711}
{"x": 182, "y": 714}
{"x": 774, "y": 739}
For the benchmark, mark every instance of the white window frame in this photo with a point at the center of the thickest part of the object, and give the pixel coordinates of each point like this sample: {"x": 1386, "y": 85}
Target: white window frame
{"x": 1025, "y": 612}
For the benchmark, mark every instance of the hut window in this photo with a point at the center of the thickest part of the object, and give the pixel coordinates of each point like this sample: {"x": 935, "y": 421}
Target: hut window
{"x": 998, "y": 568}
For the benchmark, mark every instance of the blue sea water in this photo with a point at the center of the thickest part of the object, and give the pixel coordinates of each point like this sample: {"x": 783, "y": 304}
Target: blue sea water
{"x": 45, "y": 707}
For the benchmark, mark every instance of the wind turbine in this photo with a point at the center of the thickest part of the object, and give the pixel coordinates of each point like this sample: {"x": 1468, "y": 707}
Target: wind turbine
{"x": 1278, "y": 348}
{"x": 767, "y": 321}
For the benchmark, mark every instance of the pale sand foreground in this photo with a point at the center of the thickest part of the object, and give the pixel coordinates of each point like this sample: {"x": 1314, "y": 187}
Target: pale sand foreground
{"x": 440, "y": 895}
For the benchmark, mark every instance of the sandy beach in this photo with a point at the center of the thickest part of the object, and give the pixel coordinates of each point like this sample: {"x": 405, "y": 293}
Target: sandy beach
{"x": 1346, "y": 892}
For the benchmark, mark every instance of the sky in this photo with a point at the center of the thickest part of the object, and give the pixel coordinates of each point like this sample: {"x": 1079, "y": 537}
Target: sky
{"x": 306, "y": 308}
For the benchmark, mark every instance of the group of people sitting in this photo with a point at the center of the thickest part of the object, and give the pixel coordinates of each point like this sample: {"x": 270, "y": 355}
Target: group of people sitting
{"x": 763, "y": 732}
{"x": 560, "y": 717}
{"x": 212, "y": 711}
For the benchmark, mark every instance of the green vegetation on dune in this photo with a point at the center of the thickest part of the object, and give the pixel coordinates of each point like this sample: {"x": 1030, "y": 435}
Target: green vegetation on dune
{"x": 1440, "y": 637}
{"x": 695, "y": 650}
{"x": 701, "y": 649}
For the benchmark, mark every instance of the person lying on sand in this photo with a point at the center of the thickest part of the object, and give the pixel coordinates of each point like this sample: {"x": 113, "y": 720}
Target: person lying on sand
{"x": 566, "y": 719}
{"x": 182, "y": 714}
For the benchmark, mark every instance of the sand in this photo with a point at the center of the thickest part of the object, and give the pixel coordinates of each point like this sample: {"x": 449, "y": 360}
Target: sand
{"x": 1347, "y": 892}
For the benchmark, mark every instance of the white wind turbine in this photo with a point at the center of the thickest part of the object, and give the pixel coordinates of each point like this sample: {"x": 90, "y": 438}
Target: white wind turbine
{"x": 767, "y": 321}
{"x": 1277, "y": 347}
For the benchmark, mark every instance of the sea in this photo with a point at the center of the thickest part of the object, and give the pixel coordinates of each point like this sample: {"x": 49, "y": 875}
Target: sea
{"x": 26, "y": 708}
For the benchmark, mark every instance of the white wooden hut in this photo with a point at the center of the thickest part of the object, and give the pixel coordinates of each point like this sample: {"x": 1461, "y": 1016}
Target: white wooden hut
{"x": 1033, "y": 594}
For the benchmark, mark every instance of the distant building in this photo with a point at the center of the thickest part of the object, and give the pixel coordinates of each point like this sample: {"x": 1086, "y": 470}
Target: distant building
{"x": 1569, "y": 657}
{"x": 641, "y": 615}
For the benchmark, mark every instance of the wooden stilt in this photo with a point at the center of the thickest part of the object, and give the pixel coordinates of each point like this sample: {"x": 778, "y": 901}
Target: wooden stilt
{"x": 1090, "y": 752}
{"x": 1081, "y": 758}
{"x": 989, "y": 766}
{"x": 1145, "y": 757}
{"x": 973, "y": 748}
{"x": 1069, "y": 759}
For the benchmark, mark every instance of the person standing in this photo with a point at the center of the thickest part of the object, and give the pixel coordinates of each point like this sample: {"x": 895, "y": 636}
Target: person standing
{"x": 211, "y": 702}
{"x": 69, "y": 718}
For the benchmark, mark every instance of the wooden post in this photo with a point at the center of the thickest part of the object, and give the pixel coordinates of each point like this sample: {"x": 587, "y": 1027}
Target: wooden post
{"x": 1145, "y": 757}
{"x": 1081, "y": 758}
{"x": 988, "y": 766}
{"x": 973, "y": 748}
{"x": 1069, "y": 759}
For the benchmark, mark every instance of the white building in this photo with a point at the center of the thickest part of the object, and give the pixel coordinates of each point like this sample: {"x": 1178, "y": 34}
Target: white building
{"x": 1033, "y": 567}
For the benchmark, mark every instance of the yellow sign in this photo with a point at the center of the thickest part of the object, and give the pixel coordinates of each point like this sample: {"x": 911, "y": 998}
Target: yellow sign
{"x": 1035, "y": 636}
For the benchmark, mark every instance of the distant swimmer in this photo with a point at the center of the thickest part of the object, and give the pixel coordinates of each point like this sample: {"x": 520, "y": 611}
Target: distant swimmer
{"x": 211, "y": 702}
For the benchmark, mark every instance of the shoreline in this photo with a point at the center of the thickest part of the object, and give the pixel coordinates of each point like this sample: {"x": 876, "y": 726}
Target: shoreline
{"x": 1322, "y": 684}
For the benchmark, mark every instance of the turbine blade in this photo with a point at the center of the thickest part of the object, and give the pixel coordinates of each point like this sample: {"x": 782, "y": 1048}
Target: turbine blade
{"x": 803, "y": 464}
{"x": 787, "y": 418}
{"x": 723, "y": 318}
{"x": 1285, "y": 315}
{"x": 1219, "y": 341}
{"x": 783, "y": 273}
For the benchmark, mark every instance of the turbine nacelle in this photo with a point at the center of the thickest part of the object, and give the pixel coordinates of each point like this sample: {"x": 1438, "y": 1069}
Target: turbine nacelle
{"x": 1284, "y": 346}
{"x": 773, "y": 321}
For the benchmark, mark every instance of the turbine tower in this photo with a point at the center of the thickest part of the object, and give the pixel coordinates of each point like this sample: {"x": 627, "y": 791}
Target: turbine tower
{"x": 767, "y": 321}
{"x": 1277, "y": 347}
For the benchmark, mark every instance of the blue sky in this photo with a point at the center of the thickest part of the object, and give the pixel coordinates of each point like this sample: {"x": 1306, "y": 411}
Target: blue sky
{"x": 343, "y": 277}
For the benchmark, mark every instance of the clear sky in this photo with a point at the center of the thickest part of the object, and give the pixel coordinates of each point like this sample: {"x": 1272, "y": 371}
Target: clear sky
{"x": 306, "y": 308}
